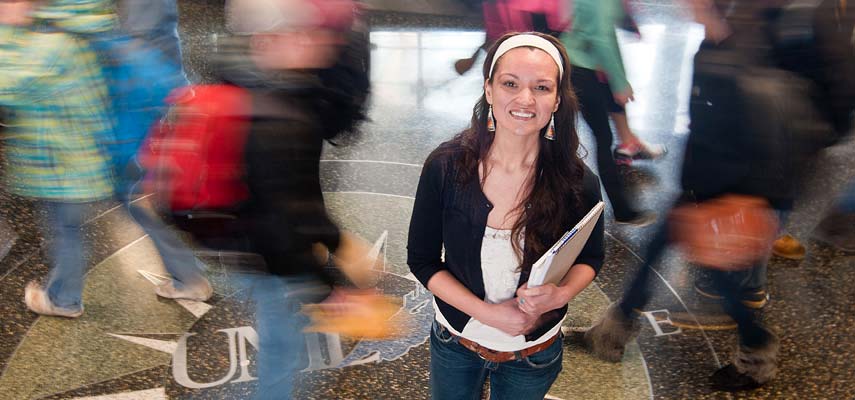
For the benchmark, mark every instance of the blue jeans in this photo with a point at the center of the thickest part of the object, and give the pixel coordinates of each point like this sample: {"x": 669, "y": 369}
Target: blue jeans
{"x": 279, "y": 324}
{"x": 64, "y": 231}
{"x": 458, "y": 373}
{"x": 178, "y": 259}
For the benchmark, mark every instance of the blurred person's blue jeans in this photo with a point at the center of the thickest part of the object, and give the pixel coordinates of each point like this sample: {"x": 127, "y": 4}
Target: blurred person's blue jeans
{"x": 177, "y": 257}
{"x": 156, "y": 22}
{"x": 279, "y": 324}
{"x": 458, "y": 373}
{"x": 63, "y": 229}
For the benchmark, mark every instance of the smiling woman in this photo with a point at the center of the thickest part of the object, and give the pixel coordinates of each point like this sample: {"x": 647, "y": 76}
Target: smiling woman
{"x": 494, "y": 198}
{"x": 524, "y": 104}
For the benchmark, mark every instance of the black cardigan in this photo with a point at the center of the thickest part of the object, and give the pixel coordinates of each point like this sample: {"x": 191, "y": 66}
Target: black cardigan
{"x": 453, "y": 215}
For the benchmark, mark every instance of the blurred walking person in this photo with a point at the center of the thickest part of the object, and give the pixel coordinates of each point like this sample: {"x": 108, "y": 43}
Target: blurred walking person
{"x": 503, "y": 16}
{"x": 592, "y": 45}
{"x": 287, "y": 60}
{"x": 52, "y": 83}
{"x": 147, "y": 75}
{"x": 754, "y": 125}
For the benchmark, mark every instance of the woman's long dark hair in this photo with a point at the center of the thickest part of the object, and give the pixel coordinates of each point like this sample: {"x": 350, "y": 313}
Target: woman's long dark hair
{"x": 557, "y": 182}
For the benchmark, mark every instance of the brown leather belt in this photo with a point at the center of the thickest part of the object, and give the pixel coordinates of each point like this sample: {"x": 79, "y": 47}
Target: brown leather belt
{"x": 503, "y": 356}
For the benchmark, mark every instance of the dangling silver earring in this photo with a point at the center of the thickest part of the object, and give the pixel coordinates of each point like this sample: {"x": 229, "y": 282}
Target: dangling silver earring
{"x": 491, "y": 123}
{"x": 550, "y": 132}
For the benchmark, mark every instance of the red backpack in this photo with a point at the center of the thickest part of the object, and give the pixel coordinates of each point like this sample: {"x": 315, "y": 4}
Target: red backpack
{"x": 195, "y": 159}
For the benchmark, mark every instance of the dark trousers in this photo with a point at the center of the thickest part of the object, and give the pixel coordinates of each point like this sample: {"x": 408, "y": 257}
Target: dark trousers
{"x": 594, "y": 101}
{"x": 731, "y": 285}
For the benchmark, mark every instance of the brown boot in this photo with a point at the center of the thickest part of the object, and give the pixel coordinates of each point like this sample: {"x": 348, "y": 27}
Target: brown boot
{"x": 750, "y": 368}
{"x": 608, "y": 337}
{"x": 788, "y": 247}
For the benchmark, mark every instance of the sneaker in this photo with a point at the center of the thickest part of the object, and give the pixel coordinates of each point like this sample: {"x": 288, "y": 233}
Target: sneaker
{"x": 788, "y": 247}
{"x": 641, "y": 219}
{"x": 38, "y": 301}
{"x": 729, "y": 379}
{"x": 709, "y": 318}
{"x": 756, "y": 298}
{"x": 705, "y": 288}
{"x": 626, "y": 152}
{"x": 201, "y": 292}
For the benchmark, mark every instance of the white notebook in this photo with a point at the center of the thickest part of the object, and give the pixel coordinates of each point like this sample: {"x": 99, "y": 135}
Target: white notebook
{"x": 554, "y": 264}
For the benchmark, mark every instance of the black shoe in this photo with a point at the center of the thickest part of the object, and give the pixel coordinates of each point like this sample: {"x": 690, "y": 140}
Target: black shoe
{"x": 729, "y": 379}
{"x": 704, "y": 287}
{"x": 755, "y": 298}
{"x": 837, "y": 230}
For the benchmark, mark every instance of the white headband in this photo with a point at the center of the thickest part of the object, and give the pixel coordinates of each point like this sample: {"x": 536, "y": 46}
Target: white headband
{"x": 528, "y": 40}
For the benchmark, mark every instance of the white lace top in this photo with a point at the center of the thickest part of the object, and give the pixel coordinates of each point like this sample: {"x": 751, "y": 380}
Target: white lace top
{"x": 499, "y": 268}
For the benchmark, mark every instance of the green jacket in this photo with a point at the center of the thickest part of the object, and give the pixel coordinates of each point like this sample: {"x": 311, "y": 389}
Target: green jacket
{"x": 592, "y": 42}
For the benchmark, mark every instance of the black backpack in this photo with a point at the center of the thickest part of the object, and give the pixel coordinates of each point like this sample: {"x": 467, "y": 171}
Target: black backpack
{"x": 344, "y": 103}
{"x": 753, "y": 126}
{"x": 816, "y": 39}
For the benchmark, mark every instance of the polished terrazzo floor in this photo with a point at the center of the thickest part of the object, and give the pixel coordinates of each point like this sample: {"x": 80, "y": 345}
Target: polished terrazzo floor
{"x": 132, "y": 345}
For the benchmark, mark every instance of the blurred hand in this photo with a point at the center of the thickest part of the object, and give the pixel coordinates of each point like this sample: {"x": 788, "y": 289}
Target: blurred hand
{"x": 343, "y": 301}
{"x": 357, "y": 313}
{"x": 706, "y": 14}
{"x": 538, "y": 300}
{"x": 353, "y": 258}
{"x": 716, "y": 30}
{"x": 624, "y": 97}
{"x": 508, "y": 318}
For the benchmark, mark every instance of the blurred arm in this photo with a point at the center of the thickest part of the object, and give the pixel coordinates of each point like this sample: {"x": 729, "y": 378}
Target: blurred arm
{"x": 707, "y": 14}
